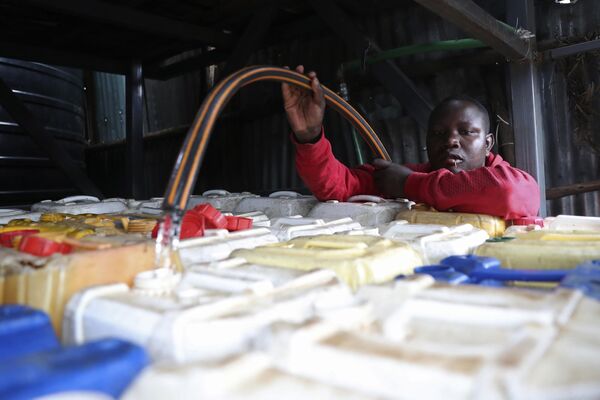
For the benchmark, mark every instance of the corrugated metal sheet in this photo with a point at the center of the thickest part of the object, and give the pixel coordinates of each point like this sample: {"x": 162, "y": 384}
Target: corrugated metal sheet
{"x": 570, "y": 160}
{"x": 250, "y": 149}
{"x": 110, "y": 107}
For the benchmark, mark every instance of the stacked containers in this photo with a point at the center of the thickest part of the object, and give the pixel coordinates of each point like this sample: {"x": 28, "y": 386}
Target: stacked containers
{"x": 192, "y": 322}
{"x": 47, "y": 283}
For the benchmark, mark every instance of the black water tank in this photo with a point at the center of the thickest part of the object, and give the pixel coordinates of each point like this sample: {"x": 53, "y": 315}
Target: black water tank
{"x": 55, "y": 97}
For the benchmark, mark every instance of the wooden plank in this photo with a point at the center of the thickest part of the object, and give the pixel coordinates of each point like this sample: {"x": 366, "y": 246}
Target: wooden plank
{"x": 572, "y": 49}
{"x": 569, "y": 190}
{"x": 474, "y": 20}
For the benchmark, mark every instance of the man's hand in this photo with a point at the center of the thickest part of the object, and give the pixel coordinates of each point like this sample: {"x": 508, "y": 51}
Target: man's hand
{"x": 390, "y": 178}
{"x": 304, "y": 109}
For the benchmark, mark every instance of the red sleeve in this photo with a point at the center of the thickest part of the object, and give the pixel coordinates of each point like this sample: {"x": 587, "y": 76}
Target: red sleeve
{"x": 326, "y": 177}
{"x": 499, "y": 190}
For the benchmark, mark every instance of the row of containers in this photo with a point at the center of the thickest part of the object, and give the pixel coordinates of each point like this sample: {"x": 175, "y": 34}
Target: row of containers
{"x": 287, "y": 297}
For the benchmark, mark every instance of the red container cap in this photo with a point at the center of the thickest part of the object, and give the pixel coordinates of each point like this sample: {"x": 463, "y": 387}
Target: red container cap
{"x": 155, "y": 230}
{"x": 6, "y": 238}
{"x": 238, "y": 223}
{"x": 39, "y": 246}
{"x": 213, "y": 217}
{"x": 526, "y": 221}
{"x": 192, "y": 225}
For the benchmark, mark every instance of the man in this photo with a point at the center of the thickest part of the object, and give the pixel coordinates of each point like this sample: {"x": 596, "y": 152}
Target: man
{"x": 462, "y": 174}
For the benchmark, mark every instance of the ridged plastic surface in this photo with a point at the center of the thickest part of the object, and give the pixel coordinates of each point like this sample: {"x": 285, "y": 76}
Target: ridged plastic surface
{"x": 357, "y": 260}
{"x": 494, "y": 226}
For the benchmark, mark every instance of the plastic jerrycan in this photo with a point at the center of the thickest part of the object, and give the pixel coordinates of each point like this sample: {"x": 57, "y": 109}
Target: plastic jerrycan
{"x": 278, "y": 204}
{"x": 494, "y": 226}
{"x": 356, "y": 259}
{"x": 367, "y": 210}
{"x": 206, "y": 315}
{"x": 81, "y": 205}
{"x": 222, "y": 200}
{"x": 544, "y": 249}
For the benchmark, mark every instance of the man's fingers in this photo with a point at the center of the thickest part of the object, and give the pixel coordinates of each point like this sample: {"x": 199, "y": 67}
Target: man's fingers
{"x": 300, "y": 69}
{"x": 317, "y": 90}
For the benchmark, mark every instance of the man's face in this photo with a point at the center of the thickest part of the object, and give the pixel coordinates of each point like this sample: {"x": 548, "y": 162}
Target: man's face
{"x": 457, "y": 138}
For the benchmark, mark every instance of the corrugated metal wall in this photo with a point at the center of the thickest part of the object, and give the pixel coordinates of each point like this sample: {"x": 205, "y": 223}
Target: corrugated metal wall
{"x": 250, "y": 148}
{"x": 571, "y": 110}
{"x": 110, "y": 107}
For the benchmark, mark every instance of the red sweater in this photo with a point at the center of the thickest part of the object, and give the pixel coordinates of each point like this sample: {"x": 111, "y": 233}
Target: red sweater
{"x": 495, "y": 189}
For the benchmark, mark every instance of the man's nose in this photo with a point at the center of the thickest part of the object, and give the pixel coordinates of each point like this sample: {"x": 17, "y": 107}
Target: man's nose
{"x": 453, "y": 139}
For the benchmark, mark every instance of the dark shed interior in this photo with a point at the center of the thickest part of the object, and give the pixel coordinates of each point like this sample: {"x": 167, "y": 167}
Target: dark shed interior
{"x": 96, "y": 97}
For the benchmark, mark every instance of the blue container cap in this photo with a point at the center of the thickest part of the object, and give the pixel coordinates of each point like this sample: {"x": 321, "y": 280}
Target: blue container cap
{"x": 586, "y": 278}
{"x": 106, "y": 366}
{"x": 24, "y": 330}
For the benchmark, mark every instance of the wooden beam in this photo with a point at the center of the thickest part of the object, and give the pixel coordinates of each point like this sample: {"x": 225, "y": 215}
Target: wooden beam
{"x": 136, "y": 20}
{"x": 572, "y": 49}
{"x": 474, "y": 20}
{"x": 569, "y": 190}
{"x": 386, "y": 72}
{"x": 45, "y": 140}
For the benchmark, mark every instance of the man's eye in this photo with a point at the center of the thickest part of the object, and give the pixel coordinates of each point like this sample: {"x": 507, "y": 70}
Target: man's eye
{"x": 467, "y": 132}
{"x": 438, "y": 133}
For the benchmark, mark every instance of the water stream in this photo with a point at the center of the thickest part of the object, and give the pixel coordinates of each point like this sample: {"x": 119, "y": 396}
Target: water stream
{"x": 167, "y": 239}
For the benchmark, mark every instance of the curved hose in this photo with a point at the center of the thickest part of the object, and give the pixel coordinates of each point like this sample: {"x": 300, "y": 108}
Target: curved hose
{"x": 190, "y": 156}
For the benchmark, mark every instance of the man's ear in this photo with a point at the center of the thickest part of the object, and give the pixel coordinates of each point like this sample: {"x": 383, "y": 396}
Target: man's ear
{"x": 489, "y": 143}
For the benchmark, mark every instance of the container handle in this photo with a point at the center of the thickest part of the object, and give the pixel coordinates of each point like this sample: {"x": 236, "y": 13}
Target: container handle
{"x": 364, "y": 198}
{"x": 282, "y": 194}
{"x": 216, "y": 192}
{"x": 81, "y": 198}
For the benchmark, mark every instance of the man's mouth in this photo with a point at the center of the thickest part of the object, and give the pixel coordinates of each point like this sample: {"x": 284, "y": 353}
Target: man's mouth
{"x": 452, "y": 160}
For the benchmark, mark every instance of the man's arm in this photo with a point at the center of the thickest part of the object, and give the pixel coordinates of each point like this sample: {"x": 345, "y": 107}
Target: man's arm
{"x": 326, "y": 177}
{"x": 500, "y": 190}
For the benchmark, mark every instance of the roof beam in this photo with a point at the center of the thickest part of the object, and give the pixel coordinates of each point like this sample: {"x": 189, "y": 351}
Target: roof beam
{"x": 136, "y": 20}
{"x": 474, "y": 20}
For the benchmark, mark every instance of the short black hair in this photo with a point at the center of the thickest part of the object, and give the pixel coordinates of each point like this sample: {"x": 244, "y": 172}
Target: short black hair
{"x": 464, "y": 98}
